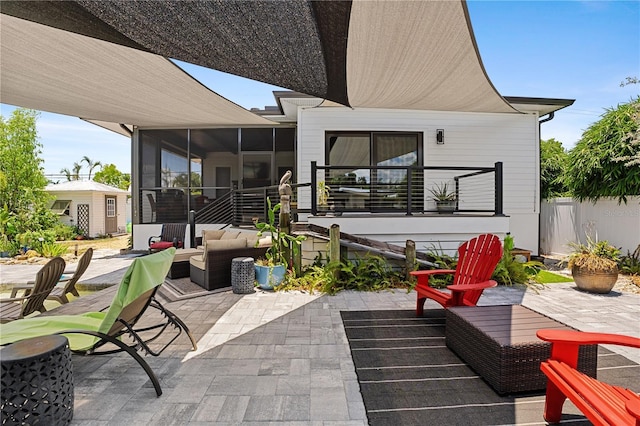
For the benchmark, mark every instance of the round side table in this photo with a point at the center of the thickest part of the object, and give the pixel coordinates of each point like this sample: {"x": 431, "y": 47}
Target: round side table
{"x": 37, "y": 381}
{"x": 243, "y": 275}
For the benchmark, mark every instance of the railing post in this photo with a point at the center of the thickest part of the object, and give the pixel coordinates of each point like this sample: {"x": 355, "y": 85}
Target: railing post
{"x": 409, "y": 190}
{"x": 192, "y": 228}
{"x": 498, "y": 189}
{"x": 314, "y": 188}
{"x": 456, "y": 179}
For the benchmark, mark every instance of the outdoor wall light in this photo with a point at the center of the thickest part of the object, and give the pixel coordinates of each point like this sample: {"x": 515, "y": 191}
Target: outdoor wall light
{"x": 440, "y": 136}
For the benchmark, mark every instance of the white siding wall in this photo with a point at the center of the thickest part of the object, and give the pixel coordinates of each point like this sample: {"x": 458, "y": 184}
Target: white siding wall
{"x": 471, "y": 139}
{"x": 96, "y": 201}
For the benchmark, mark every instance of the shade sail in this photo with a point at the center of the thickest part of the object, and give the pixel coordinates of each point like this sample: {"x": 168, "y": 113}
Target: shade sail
{"x": 48, "y": 69}
{"x": 374, "y": 54}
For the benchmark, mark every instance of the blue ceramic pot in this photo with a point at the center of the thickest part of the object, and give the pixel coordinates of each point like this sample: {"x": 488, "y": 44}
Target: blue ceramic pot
{"x": 269, "y": 277}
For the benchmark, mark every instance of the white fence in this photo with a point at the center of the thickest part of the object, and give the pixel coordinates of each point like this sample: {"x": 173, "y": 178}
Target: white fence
{"x": 563, "y": 220}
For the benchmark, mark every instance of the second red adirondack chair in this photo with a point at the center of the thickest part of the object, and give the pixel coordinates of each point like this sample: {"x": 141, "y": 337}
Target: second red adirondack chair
{"x": 477, "y": 259}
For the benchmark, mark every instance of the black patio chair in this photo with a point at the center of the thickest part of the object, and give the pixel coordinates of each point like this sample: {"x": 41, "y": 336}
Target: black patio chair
{"x": 172, "y": 235}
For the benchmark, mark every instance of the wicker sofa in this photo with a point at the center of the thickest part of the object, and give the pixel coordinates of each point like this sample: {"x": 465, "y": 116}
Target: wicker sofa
{"x": 211, "y": 270}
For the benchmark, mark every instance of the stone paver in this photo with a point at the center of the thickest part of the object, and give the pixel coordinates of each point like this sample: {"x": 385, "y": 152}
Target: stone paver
{"x": 283, "y": 357}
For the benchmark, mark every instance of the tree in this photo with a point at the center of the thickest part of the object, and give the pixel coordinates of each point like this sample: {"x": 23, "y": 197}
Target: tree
{"x": 553, "y": 166}
{"x": 606, "y": 161}
{"x": 91, "y": 164}
{"x": 110, "y": 175}
{"x": 24, "y": 203}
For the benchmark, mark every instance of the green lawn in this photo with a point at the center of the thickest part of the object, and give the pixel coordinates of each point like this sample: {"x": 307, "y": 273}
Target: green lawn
{"x": 546, "y": 277}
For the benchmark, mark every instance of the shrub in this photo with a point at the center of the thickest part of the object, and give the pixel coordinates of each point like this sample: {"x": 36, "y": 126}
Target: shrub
{"x": 52, "y": 250}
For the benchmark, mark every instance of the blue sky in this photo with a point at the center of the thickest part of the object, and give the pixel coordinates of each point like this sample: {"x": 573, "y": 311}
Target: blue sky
{"x": 557, "y": 49}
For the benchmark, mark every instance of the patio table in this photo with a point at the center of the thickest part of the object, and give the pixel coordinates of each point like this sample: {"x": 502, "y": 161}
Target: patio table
{"x": 500, "y": 344}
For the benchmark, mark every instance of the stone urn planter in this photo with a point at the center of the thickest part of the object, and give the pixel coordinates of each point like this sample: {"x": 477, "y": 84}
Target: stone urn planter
{"x": 594, "y": 281}
{"x": 594, "y": 266}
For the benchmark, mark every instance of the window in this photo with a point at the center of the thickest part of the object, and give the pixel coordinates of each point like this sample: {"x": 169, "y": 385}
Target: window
{"x": 61, "y": 207}
{"x": 386, "y": 188}
{"x": 111, "y": 207}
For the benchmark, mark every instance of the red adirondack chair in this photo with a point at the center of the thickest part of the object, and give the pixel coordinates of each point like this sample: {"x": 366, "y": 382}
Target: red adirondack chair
{"x": 477, "y": 259}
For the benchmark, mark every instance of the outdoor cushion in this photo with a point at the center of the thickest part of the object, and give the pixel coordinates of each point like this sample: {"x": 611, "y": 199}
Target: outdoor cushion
{"x": 215, "y": 245}
{"x": 161, "y": 245}
{"x": 183, "y": 255}
{"x": 229, "y": 235}
{"x": 212, "y": 234}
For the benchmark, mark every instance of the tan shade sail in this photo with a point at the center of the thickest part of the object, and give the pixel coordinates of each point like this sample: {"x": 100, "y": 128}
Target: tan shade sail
{"x": 48, "y": 69}
{"x": 363, "y": 53}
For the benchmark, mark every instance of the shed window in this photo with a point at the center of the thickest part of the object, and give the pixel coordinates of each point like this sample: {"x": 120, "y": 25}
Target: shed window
{"x": 61, "y": 207}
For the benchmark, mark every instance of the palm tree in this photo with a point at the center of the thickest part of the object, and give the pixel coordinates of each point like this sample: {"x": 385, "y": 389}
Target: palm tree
{"x": 67, "y": 173}
{"x": 76, "y": 171}
{"x": 91, "y": 164}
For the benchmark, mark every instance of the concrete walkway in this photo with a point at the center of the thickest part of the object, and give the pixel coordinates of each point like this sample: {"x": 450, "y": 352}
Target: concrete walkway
{"x": 282, "y": 357}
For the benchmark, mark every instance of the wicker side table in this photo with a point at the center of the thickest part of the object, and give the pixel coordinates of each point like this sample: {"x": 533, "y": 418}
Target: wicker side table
{"x": 243, "y": 275}
{"x": 37, "y": 382}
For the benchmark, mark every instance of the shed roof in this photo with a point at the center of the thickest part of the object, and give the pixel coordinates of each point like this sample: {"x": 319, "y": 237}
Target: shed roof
{"x": 83, "y": 186}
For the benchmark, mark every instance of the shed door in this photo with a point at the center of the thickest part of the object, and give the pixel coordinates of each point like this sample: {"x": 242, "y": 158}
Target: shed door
{"x": 111, "y": 215}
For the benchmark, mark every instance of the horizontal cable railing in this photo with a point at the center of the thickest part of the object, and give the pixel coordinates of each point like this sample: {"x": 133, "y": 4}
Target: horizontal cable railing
{"x": 407, "y": 189}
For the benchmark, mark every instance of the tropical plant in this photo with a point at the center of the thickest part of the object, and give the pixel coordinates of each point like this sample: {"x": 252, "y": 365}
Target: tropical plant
{"x": 510, "y": 271}
{"x": 441, "y": 192}
{"x": 594, "y": 255}
{"x": 630, "y": 264}
{"x": 606, "y": 161}
{"x": 281, "y": 242}
{"x": 52, "y": 249}
{"x": 323, "y": 193}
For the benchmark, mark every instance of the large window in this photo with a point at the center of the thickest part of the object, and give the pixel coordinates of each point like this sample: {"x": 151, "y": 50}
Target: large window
{"x": 367, "y": 169}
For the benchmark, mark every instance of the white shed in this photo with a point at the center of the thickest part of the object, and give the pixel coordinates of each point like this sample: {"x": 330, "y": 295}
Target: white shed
{"x": 95, "y": 208}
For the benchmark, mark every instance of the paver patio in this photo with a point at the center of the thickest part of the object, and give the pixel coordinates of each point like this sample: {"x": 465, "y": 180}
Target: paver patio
{"x": 283, "y": 357}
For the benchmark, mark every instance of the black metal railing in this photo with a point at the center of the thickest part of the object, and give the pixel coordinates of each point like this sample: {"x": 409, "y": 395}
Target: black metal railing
{"x": 406, "y": 189}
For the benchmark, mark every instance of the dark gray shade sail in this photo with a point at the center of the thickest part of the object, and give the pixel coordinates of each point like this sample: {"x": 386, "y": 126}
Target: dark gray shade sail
{"x": 376, "y": 54}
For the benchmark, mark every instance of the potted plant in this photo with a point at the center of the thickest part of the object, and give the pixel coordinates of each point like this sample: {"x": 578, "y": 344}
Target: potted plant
{"x": 446, "y": 200}
{"x": 594, "y": 265}
{"x": 270, "y": 270}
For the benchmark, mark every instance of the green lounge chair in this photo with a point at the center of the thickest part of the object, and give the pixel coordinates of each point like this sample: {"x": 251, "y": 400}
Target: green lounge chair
{"x": 89, "y": 331}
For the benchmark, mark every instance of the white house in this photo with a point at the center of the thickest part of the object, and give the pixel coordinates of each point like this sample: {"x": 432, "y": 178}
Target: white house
{"x": 363, "y": 154}
{"x": 95, "y": 208}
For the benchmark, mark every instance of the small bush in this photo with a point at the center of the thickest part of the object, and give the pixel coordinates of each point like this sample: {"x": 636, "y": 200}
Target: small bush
{"x": 52, "y": 250}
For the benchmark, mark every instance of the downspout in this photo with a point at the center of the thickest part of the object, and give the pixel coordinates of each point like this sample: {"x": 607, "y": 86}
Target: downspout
{"x": 542, "y": 120}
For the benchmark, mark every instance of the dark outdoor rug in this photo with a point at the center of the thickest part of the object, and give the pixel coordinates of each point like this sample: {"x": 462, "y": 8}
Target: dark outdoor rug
{"x": 408, "y": 376}
{"x": 183, "y": 288}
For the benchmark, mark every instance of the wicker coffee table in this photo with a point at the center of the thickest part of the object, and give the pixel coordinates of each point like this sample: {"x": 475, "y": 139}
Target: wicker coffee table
{"x": 500, "y": 344}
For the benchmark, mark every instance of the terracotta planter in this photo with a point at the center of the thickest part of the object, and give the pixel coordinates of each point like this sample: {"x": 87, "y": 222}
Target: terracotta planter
{"x": 594, "y": 282}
